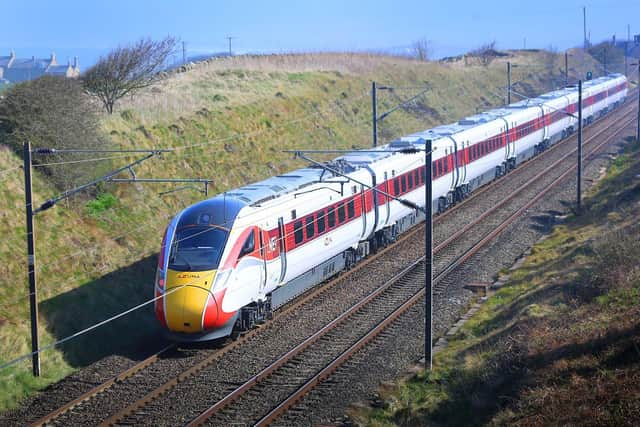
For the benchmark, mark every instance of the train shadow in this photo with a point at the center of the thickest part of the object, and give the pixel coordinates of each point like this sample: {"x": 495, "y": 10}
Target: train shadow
{"x": 134, "y": 335}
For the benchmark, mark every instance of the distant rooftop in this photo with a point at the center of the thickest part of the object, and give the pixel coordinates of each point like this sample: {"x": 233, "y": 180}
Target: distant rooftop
{"x": 16, "y": 69}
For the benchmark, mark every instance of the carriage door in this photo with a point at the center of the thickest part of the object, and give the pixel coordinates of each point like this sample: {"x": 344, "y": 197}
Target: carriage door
{"x": 283, "y": 250}
{"x": 264, "y": 251}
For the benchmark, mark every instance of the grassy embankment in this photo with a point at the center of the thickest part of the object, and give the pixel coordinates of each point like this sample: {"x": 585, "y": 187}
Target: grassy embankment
{"x": 559, "y": 344}
{"x": 97, "y": 260}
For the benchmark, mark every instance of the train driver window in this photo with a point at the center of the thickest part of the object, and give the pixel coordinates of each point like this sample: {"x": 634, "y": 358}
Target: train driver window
{"x": 249, "y": 245}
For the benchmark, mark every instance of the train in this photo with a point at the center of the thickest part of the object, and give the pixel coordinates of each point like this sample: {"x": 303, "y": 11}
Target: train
{"x": 227, "y": 262}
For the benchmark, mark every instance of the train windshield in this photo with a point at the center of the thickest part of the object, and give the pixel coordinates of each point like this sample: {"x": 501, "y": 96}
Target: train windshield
{"x": 197, "y": 248}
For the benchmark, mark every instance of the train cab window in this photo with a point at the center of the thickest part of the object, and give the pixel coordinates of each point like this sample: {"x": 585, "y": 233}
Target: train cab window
{"x": 320, "y": 220}
{"x": 341, "y": 213}
{"x": 403, "y": 182}
{"x": 331, "y": 217}
{"x": 351, "y": 208}
{"x": 197, "y": 248}
{"x": 310, "y": 226}
{"x": 298, "y": 236}
{"x": 396, "y": 186}
{"x": 410, "y": 180}
{"x": 249, "y": 245}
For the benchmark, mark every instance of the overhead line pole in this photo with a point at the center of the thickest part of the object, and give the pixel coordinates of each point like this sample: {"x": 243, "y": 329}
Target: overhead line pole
{"x": 31, "y": 261}
{"x": 428, "y": 259}
{"x": 374, "y": 109}
{"x": 584, "y": 26}
{"x": 508, "y": 82}
{"x": 579, "y": 146}
{"x": 566, "y": 68}
{"x": 638, "y": 88}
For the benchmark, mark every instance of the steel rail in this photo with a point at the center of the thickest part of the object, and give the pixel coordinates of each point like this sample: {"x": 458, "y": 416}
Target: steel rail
{"x": 118, "y": 378}
{"x": 374, "y": 332}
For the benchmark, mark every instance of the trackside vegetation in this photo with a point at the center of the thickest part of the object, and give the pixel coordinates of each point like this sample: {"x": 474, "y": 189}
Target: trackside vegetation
{"x": 559, "y": 344}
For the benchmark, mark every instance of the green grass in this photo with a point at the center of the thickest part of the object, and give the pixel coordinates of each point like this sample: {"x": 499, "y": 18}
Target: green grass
{"x": 101, "y": 203}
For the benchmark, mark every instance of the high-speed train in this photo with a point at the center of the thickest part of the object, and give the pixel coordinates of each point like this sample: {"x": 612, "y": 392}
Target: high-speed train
{"x": 228, "y": 261}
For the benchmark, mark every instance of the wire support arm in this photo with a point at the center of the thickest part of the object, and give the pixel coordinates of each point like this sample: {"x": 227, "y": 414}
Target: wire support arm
{"x": 51, "y": 202}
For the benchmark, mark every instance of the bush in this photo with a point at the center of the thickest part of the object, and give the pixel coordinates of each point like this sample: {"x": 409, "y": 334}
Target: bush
{"x": 616, "y": 259}
{"x": 53, "y": 112}
{"x": 101, "y": 203}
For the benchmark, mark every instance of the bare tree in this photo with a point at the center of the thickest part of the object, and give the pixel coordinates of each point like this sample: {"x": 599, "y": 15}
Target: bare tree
{"x": 128, "y": 69}
{"x": 420, "y": 50}
{"x": 485, "y": 53}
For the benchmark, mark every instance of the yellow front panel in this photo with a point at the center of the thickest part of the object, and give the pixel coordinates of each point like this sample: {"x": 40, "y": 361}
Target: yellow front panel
{"x": 185, "y": 306}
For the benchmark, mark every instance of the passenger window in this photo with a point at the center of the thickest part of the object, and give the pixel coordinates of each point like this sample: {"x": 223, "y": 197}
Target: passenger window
{"x": 404, "y": 183}
{"x": 341, "y": 213}
{"x": 310, "y": 226}
{"x": 423, "y": 172}
{"x": 249, "y": 245}
{"x": 396, "y": 186}
{"x": 351, "y": 208}
{"x": 332, "y": 217}
{"x": 297, "y": 232}
{"x": 320, "y": 220}
{"x": 410, "y": 180}
{"x": 416, "y": 177}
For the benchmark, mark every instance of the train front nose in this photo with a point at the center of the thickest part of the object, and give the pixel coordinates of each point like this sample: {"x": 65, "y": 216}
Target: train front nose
{"x": 190, "y": 306}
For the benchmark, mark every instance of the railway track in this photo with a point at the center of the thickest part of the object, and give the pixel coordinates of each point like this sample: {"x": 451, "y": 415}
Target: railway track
{"x": 166, "y": 379}
{"x": 318, "y": 357}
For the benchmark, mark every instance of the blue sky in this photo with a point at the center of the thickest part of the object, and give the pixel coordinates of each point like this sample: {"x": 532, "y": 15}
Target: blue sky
{"x": 88, "y": 28}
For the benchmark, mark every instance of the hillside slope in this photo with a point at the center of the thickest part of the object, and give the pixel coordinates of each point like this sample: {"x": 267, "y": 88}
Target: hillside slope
{"x": 229, "y": 121}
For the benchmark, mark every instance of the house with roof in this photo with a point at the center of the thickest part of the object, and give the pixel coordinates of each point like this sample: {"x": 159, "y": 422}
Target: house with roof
{"x": 17, "y": 70}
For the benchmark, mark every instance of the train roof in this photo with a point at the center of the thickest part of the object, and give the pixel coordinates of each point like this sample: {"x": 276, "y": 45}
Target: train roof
{"x": 270, "y": 188}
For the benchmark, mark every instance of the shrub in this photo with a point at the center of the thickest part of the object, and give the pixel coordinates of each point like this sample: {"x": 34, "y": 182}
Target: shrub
{"x": 53, "y": 112}
{"x": 101, "y": 203}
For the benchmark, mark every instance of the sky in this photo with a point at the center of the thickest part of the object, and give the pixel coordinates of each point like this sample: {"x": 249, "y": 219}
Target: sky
{"x": 88, "y": 28}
